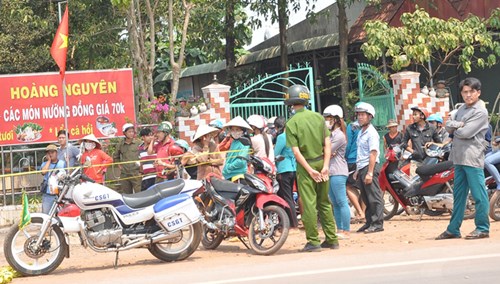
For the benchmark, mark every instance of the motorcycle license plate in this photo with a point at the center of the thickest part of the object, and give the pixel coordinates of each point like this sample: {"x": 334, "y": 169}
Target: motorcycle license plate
{"x": 176, "y": 222}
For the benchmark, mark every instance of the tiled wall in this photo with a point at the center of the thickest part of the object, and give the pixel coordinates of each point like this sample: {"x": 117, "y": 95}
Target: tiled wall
{"x": 218, "y": 108}
{"x": 407, "y": 94}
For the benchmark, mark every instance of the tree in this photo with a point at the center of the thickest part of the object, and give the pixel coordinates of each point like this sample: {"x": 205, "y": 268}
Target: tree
{"x": 177, "y": 64}
{"x": 95, "y": 27}
{"x": 23, "y": 50}
{"x": 343, "y": 46}
{"x": 205, "y": 39}
{"x": 230, "y": 40}
{"x": 342, "y": 5}
{"x": 277, "y": 11}
{"x": 141, "y": 31}
{"x": 92, "y": 24}
{"x": 422, "y": 38}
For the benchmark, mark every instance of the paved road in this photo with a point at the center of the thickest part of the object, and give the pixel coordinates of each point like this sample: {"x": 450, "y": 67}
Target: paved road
{"x": 404, "y": 253}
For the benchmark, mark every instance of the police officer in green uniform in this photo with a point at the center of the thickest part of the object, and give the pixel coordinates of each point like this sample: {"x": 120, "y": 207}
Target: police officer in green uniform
{"x": 308, "y": 136}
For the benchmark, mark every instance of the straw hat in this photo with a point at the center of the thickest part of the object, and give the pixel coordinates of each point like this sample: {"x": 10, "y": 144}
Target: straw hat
{"x": 51, "y": 147}
{"x": 202, "y": 131}
{"x": 91, "y": 137}
{"x": 391, "y": 123}
{"x": 239, "y": 122}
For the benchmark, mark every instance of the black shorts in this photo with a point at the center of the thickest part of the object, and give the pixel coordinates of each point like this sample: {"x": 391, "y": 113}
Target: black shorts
{"x": 350, "y": 179}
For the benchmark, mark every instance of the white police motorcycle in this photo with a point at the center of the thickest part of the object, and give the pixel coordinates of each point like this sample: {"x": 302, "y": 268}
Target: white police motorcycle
{"x": 164, "y": 219}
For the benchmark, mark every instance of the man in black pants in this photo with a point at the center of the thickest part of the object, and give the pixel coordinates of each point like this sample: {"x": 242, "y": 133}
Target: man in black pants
{"x": 367, "y": 170}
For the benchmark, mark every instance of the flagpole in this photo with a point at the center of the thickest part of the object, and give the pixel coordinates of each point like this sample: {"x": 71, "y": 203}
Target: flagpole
{"x": 66, "y": 154}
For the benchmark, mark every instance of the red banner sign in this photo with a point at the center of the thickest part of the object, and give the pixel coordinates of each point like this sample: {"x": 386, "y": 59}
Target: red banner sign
{"x": 32, "y": 108}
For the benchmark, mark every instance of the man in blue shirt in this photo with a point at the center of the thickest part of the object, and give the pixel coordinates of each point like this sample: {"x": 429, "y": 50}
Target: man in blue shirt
{"x": 367, "y": 169}
{"x": 66, "y": 152}
{"x": 49, "y": 168}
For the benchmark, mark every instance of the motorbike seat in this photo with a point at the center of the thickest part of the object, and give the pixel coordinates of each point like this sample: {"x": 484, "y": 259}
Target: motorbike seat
{"x": 429, "y": 170}
{"x": 221, "y": 185}
{"x": 154, "y": 194}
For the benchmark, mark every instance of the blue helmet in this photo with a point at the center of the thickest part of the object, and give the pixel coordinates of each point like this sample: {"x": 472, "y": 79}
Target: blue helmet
{"x": 435, "y": 117}
{"x": 216, "y": 123}
{"x": 183, "y": 144}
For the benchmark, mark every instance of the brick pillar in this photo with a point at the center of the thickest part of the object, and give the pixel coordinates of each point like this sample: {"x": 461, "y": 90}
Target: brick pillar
{"x": 218, "y": 108}
{"x": 407, "y": 94}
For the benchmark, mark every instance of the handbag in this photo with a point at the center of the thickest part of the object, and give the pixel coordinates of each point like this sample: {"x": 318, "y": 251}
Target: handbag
{"x": 43, "y": 186}
{"x": 45, "y": 182}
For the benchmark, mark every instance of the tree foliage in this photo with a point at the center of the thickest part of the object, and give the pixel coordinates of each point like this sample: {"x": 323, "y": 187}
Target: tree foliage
{"x": 422, "y": 38}
{"x": 27, "y": 29}
{"x": 24, "y": 50}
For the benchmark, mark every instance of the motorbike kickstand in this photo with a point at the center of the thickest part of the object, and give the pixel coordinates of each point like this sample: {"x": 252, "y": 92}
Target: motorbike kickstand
{"x": 422, "y": 210}
{"x": 243, "y": 241}
{"x": 115, "y": 266}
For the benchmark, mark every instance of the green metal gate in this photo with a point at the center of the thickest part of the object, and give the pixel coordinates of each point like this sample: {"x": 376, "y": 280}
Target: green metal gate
{"x": 264, "y": 95}
{"x": 376, "y": 90}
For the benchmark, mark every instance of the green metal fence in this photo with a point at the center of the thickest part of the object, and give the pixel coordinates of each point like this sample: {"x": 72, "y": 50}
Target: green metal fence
{"x": 264, "y": 95}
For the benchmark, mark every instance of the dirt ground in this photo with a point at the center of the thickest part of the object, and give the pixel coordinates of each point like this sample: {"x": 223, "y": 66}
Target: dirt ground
{"x": 401, "y": 233}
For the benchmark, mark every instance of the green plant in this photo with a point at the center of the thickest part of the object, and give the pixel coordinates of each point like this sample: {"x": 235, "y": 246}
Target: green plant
{"x": 157, "y": 110}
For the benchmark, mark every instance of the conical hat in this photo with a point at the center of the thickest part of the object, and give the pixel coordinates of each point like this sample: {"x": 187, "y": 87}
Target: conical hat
{"x": 203, "y": 130}
{"x": 91, "y": 137}
{"x": 239, "y": 122}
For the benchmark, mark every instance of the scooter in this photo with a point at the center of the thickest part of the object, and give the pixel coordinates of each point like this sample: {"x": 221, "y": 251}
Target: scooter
{"x": 250, "y": 211}
{"x": 493, "y": 194}
{"x": 162, "y": 219}
{"x": 430, "y": 192}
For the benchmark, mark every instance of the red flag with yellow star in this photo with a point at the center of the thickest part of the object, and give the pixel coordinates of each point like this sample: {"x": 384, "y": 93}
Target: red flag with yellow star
{"x": 60, "y": 44}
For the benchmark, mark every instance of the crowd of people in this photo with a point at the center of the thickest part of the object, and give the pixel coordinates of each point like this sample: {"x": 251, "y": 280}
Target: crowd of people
{"x": 321, "y": 156}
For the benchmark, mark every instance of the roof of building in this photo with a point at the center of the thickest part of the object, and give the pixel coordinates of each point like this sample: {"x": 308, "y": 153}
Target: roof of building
{"x": 315, "y": 43}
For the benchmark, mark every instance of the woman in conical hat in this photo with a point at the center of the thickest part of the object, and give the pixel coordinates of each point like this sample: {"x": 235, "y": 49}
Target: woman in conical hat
{"x": 235, "y": 167}
{"x": 206, "y": 152}
{"x": 99, "y": 160}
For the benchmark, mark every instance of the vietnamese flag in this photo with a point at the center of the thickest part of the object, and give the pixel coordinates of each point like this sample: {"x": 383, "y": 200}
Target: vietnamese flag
{"x": 59, "y": 47}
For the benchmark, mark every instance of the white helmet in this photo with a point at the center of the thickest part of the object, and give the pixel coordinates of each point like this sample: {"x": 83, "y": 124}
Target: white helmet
{"x": 127, "y": 126}
{"x": 365, "y": 107}
{"x": 257, "y": 120}
{"x": 333, "y": 110}
{"x": 270, "y": 121}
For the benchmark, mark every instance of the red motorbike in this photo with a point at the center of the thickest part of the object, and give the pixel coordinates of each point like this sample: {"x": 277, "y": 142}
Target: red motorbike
{"x": 430, "y": 192}
{"x": 250, "y": 210}
{"x": 493, "y": 194}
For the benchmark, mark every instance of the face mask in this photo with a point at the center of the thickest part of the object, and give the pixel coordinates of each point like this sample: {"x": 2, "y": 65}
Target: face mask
{"x": 236, "y": 134}
{"x": 328, "y": 124}
{"x": 292, "y": 111}
{"x": 89, "y": 146}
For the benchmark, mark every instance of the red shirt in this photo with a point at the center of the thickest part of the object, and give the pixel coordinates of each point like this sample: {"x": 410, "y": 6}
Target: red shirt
{"x": 162, "y": 152}
{"x": 99, "y": 161}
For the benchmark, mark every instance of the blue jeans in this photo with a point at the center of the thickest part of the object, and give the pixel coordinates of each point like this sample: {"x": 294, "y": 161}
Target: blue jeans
{"x": 338, "y": 196}
{"x": 47, "y": 201}
{"x": 490, "y": 161}
{"x": 469, "y": 178}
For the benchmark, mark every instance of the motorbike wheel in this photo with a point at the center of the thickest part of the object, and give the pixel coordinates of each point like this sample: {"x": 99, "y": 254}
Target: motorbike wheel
{"x": 390, "y": 206}
{"x": 470, "y": 208}
{"x": 211, "y": 239}
{"x": 495, "y": 206}
{"x": 24, "y": 258}
{"x": 433, "y": 213}
{"x": 272, "y": 238}
{"x": 181, "y": 247}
